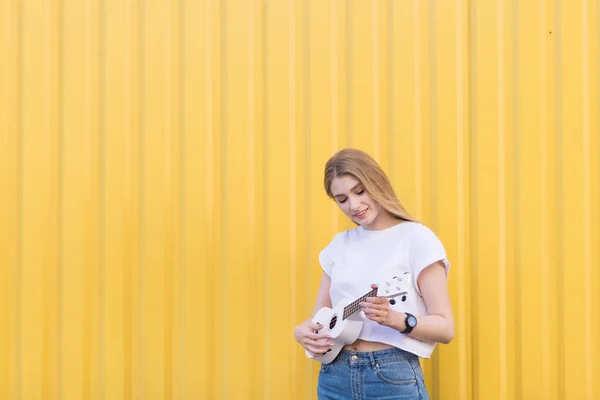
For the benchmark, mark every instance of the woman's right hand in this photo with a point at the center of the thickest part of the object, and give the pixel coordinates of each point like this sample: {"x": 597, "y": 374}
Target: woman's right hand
{"x": 311, "y": 341}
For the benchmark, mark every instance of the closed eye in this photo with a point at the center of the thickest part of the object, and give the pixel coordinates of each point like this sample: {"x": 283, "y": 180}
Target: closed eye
{"x": 358, "y": 193}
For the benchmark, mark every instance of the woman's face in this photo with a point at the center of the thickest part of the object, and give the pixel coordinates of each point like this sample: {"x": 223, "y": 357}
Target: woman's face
{"x": 354, "y": 201}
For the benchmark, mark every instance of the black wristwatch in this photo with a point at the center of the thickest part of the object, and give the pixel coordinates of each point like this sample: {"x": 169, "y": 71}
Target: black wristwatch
{"x": 411, "y": 323}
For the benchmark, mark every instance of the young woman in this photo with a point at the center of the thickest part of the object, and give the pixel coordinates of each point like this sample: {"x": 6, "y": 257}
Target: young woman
{"x": 384, "y": 360}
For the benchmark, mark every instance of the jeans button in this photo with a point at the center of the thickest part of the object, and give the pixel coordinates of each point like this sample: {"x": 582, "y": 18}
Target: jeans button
{"x": 354, "y": 358}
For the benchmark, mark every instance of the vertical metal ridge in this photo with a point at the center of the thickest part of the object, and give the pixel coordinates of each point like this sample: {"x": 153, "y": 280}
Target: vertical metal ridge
{"x": 559, "y": 176}
{"x": 46, "y": 92}
{"x": 516, "y": 315}
{"x": 375, "y": 79}
{"x": 473, "y": 200}
{"x": 168, "y": 205}
{"x": 307, "y": 120}
{"x": 335, "y": 93}
{"x": 61, "y": 203}
{"x": 461, "y": 218}
{"x": 587, "y": 203}
{"x": 87, "y": 157}
{"x": 597, "y": 111}
{"x": 141, "y": 281}
{"x": 266, "y": 187}
{"x": 21, "y": 132}
{"x": 418, "y": 122}
{"x": 210, "y": 148}
{"x": 433, "y": 131}
{"x": 225, "y": 178}
{"x": 50, "y": 121}
{"x": 102, "y": 214}
{"x": 183, "y": 203}
{"x": 292, "y": 181}
{"x": 56, "y": 80}
{"x": 8, "y": 98}
{"x": 597, "y": 122}
{"x": 349, "y": 74}
{"x": 251, "y": 210}
{"x": 334, "y": 73}
{"x": 127, "y": 206}
{"x": 545, "y": 258}
{"x": 292, "y": 184}
{"x": 432, "y": 158}
{"x": 501, "y": 203}
{"x": 390, "y": 90}
{"x": 597, "y": 137}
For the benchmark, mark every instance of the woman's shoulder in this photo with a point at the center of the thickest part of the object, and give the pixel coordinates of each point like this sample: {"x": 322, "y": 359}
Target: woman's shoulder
{"x": 416, "y": 233}
{"x": 337, "y": 238}
{"x": 344, "y": 237}
{"x": 424, "y": 237}
{"x": 409, "y": 229}
{"x": 417, "y": 228}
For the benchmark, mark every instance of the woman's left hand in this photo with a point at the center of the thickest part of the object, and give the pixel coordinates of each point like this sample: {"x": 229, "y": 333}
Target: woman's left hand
{"x": 377, "y": 309}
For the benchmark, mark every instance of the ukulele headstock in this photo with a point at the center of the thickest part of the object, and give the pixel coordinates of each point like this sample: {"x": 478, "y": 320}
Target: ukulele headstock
{"x": 395, "y": 286}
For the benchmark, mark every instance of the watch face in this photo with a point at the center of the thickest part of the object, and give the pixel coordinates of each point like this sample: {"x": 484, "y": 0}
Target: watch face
{"x": 412, "y": 321}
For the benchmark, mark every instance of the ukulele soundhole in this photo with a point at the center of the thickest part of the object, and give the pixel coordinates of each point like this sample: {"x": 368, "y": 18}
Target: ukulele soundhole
{"x": 333, "y": 322}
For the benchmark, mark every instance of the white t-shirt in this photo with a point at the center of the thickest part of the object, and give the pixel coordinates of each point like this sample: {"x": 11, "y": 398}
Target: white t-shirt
{"x": 356, "y": 258}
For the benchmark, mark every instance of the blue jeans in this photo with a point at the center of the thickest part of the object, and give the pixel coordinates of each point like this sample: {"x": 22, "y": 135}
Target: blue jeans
{"x": 385, "y": 374}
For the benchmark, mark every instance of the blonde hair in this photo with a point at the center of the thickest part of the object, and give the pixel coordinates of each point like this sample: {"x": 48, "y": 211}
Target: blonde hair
{"x": 365, "y": 169}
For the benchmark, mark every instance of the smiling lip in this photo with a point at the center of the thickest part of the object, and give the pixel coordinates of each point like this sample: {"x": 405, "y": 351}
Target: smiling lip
{"x": 361, "y": 214}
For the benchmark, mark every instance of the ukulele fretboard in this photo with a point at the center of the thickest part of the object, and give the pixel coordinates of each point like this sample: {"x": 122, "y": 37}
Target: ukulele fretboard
{"x": 354, "y": 306}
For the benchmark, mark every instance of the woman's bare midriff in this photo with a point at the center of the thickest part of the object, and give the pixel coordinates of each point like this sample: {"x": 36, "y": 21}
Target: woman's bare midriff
{"x": 362, "y": 345}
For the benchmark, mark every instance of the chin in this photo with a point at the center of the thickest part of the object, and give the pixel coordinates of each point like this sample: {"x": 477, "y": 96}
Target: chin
{"x": 366, "y": 223}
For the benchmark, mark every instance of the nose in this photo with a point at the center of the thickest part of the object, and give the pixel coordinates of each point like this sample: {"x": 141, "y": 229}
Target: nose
{"x": 354, "y": 203}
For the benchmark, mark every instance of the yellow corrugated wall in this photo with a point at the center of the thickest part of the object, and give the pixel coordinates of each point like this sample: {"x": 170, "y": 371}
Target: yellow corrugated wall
{"x": 161, "y": 200}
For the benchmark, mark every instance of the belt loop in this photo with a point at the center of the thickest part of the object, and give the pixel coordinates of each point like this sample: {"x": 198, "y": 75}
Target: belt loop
{"x": 373, "y": 363}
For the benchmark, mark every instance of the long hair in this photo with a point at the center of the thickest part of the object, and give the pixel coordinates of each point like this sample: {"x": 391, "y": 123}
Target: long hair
{"x": 365, "y": 169}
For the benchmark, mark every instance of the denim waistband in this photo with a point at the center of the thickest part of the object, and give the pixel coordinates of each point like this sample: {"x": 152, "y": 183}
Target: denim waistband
{"x": 374, "y": 357}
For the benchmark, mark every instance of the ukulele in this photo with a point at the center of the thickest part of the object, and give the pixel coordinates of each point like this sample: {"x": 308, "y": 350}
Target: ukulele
{"x": 343, "y": 325}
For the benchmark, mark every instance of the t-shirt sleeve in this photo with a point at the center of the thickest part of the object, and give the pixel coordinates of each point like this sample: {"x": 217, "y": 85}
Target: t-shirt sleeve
{"x": 327, "y": 256}
{"x": 425, "y": 249}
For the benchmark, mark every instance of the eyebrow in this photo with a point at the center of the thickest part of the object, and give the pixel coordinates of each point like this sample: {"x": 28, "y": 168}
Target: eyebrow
{"x": 353, "y": 187}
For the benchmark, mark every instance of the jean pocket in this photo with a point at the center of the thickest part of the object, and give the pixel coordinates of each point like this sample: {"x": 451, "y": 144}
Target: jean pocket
{"x": 397, "y": 373}
{"x": 324, "y": 368}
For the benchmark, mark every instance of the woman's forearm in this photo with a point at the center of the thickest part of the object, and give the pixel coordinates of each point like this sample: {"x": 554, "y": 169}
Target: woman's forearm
{"x": 430, "y": 328}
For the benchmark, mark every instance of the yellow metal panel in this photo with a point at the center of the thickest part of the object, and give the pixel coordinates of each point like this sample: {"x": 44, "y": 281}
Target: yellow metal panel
{"x": 161, "y": 199}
